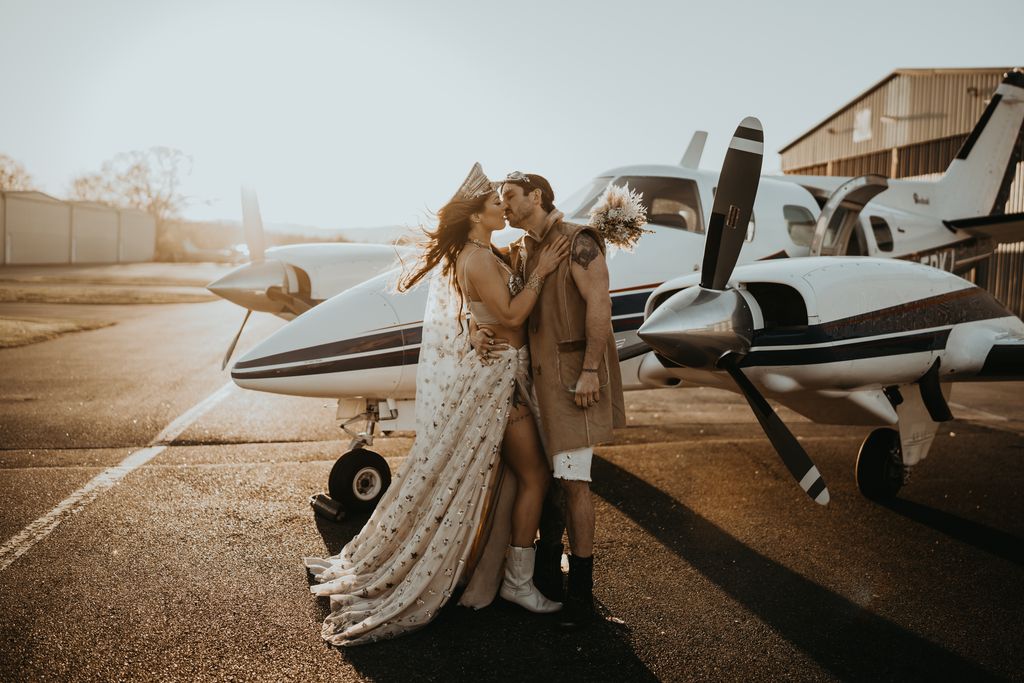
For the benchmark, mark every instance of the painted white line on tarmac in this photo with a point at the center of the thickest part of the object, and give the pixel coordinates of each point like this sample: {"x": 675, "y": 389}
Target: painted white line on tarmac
{"x": 41, "y": 528}
{"x": 174, "y": 430}
{"x": 969, "y": 413}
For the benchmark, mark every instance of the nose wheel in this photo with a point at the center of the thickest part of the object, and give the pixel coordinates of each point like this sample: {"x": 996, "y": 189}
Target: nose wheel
{"x": 880, "y": 470}
{"x": 359, "y": 479}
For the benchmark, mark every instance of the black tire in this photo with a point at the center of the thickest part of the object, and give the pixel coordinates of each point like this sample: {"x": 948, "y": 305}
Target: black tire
{"x": 879, "y": 465}
{"x": 358, "y": 480}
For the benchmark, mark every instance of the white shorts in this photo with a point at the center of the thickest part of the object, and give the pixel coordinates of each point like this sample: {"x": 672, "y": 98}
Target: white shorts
{"x": 572, "y": 465}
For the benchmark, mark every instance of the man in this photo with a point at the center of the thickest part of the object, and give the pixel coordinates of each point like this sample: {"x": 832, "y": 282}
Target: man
{"x": 576, "y": 377}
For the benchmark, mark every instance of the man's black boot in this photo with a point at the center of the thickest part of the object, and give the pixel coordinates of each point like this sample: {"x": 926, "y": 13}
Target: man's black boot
{"x": 579, "y": 610}
{"x": 547, "y": 571}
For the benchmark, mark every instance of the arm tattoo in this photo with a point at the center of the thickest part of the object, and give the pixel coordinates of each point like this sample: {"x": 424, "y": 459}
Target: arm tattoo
{"x": 585, "y": 250}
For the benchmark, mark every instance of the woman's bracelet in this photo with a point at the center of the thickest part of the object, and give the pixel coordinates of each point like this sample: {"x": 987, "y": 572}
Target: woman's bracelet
{"x": 536, "y": 283}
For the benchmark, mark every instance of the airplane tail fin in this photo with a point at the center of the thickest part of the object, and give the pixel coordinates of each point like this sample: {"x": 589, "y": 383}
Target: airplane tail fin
{"x": 973, "y": 182}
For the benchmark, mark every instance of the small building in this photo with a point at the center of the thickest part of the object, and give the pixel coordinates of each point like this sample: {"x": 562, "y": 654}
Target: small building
{"x": 36, "y": 228}
{"x": 94, "y": 233}
{"x": 911, "y": 125}
{"x": 137, "y": 236}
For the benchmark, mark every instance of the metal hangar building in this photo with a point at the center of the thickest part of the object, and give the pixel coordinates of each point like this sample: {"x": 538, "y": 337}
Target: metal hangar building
{"x": 911, "y": 125}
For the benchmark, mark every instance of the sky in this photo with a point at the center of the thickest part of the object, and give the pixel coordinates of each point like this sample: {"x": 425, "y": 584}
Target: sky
{"x": 346, "y": 114}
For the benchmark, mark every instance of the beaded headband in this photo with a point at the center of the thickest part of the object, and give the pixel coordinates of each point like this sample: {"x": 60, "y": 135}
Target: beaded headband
{"x": 475, "y": 185}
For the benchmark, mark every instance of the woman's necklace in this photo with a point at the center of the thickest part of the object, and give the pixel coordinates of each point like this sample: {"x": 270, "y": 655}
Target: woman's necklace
{"x": 482, "y": 245}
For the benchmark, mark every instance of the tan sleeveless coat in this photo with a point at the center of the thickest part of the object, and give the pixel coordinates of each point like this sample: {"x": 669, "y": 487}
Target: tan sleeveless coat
{"x": 558, "y": 340}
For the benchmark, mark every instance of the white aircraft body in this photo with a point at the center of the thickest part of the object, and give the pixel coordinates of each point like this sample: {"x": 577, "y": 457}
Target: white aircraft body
{"x": 855, "y": 341}
{"x": 361, "y": 345}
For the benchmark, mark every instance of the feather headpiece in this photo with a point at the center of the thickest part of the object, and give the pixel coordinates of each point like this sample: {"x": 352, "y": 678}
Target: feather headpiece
{"x": 475, "y": 185}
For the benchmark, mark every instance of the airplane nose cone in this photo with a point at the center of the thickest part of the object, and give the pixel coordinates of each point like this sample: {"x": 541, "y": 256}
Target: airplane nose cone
{"x": 697, "y": 326}
{"x": 354, "y": 344}
{"x": 247, "y": 286}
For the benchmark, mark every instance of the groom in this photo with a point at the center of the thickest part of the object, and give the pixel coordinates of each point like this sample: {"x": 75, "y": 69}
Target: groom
{"x": 576, "y": 377}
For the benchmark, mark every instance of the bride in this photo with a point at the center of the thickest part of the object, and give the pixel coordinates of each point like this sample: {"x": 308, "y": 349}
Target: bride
{"x": 452, "y": 509}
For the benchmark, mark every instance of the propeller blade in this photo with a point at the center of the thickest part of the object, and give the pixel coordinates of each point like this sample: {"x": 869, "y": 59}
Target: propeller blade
{"x": 632, "y": 351}
{"x": 252, "y": 224}
{"x": 733, "y": 205}
{"x": 234, "y": 342}
{"x": 789, "y": 449}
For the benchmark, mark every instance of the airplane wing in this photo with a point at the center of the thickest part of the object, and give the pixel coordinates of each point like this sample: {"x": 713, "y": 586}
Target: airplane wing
{"x": 1005, "y": 228}
{"x": 1005, "y": 361}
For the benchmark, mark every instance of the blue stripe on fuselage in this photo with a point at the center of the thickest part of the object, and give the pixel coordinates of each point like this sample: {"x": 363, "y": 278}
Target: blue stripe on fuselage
{"x": 629, "y": 304}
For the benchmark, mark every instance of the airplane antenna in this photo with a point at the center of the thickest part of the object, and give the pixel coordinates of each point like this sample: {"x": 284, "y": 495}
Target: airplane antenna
{"x": 691, "y": 159}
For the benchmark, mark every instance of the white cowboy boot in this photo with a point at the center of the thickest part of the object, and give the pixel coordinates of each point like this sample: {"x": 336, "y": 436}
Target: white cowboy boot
{"x": 518, "y": 585}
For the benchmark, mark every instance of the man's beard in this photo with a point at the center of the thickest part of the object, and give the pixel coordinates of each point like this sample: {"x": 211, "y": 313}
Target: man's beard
{"x": 516, "y": 220}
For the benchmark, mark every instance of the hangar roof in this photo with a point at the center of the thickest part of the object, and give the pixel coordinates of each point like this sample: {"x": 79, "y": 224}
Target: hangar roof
{"x": 898, "y": 73}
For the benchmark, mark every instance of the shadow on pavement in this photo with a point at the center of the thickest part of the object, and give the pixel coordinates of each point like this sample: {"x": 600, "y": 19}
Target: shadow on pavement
{"x": 337, "y": 534}
{"x": 843, "y": 637}
{"x": 994, "y": 541}
{"x": 500, "y": 642}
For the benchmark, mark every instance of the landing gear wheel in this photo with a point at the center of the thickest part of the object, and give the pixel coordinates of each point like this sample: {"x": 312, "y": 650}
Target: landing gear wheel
{"x": 880, "y": 465}
{"x": 358, "y": 480}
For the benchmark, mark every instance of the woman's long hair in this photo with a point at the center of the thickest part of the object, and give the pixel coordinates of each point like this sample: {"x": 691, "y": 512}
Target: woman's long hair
{"x": 444, "y": 244}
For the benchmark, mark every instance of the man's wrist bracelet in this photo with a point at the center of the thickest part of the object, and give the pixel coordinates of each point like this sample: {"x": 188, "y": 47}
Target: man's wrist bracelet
{"x": 589, "y": 369}
{"x": 536, "y": 283}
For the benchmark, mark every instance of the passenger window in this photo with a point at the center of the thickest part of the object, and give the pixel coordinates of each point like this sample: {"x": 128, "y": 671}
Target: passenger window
{"x": 671, "y": 202}
{"x": 883, "y": 235}
{"x": 673, "y": 213}
{"x": 800, "y": 224}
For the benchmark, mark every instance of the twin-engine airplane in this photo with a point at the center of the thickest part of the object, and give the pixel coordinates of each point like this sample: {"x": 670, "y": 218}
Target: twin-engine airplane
{"x": 841, "y": 340}
{"x": 362, "y": 345}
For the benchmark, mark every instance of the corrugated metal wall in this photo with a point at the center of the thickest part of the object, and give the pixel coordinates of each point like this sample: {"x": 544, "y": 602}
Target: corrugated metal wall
{"x": 909, "y": 107}
{"x": 38, "y": 229}
{"x": 916, "y": 121}
{"x": 138, "y": 236}
{"x": 94, "y": 233}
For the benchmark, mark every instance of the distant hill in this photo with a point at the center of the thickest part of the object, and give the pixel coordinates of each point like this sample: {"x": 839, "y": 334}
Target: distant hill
{"x": 382, "y": 234}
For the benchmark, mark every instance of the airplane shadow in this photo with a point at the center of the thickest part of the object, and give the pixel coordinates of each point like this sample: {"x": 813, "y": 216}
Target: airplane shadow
{"x": 994, "y": 541}
{"x": 500, "y": 642}
{"x": 337, "y": 534}
{"x": 843, "y": 637}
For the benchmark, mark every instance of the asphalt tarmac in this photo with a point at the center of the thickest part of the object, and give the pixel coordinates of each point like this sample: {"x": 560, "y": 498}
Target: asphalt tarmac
{"x": 713, "y": 563}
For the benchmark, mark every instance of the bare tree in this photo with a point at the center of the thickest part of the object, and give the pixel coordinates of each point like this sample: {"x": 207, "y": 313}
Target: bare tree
{"x": 149, "y": 180}
{"x": 13, "y": 175}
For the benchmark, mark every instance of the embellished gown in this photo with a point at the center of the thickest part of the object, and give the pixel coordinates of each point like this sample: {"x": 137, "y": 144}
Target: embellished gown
{"x": 445, "y": 520}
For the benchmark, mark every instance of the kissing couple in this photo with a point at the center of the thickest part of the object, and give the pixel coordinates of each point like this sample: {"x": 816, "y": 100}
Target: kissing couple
{"x": 506, "y": 402}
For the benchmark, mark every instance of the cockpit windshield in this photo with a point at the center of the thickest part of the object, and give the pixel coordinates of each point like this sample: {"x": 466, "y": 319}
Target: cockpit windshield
{"x": 580, "y": 202}
{"x": 671, "y": 202}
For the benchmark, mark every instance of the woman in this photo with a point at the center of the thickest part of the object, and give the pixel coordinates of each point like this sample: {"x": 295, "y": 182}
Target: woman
{"x": 441, "y": 522}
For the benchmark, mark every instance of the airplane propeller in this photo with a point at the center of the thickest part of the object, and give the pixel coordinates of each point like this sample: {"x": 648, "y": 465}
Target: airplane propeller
{"x": 711, "y": 326}
{"x": 234, "y": 342}
{"x": 252, "y": 224}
